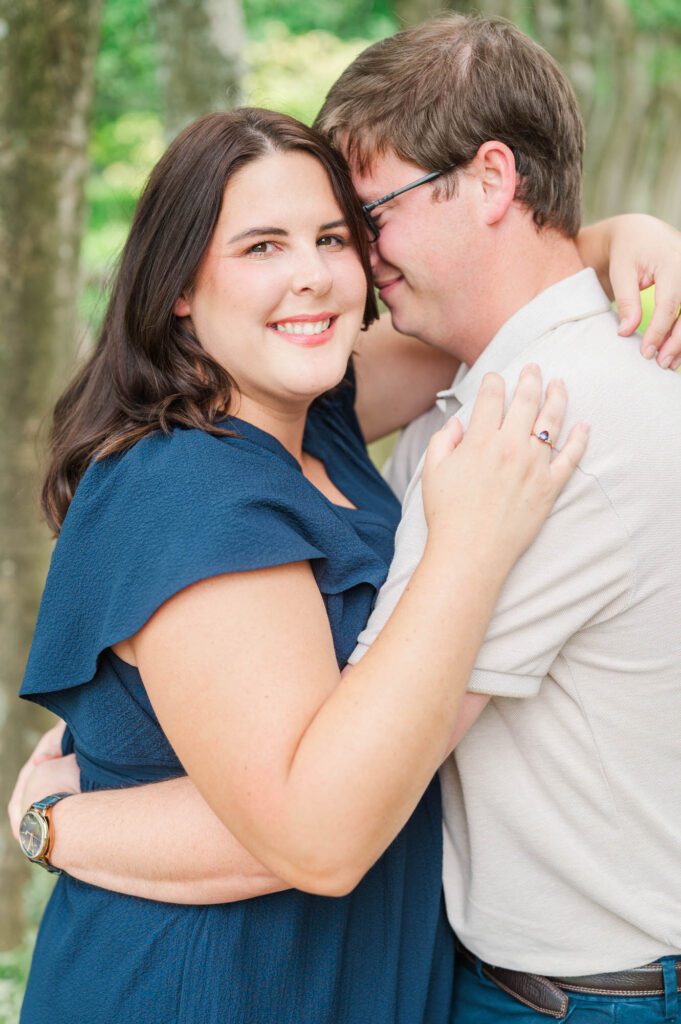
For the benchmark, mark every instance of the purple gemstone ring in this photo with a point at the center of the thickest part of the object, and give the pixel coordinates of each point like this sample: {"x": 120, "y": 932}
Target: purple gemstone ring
{"x": 544, "y": 437}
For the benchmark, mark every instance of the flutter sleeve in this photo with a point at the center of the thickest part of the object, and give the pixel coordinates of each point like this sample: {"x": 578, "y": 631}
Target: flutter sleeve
{"x": 167, "y": 513}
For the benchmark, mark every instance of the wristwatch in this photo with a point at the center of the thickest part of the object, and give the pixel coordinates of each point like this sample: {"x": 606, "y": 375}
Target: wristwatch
{"x": 36, "y": 834}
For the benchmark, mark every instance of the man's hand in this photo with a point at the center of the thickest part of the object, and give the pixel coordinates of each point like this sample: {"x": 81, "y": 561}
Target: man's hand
{"x": 45, "y": 772}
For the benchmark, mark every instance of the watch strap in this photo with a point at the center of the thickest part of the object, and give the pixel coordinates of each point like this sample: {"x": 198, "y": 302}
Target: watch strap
{"x": 49, "y": 801}
{"x": 44, "y": 807}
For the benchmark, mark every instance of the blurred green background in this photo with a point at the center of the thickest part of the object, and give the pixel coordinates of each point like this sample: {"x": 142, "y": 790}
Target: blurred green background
{"x": 624, "y": 57}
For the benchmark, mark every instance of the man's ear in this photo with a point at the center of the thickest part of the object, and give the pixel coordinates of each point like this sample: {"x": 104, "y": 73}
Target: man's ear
{"x": 498, "y": 178}
{"x": 182, "y": 307}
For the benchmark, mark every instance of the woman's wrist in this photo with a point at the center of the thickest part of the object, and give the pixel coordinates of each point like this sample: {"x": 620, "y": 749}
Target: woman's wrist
{"x": 593, "y": 244}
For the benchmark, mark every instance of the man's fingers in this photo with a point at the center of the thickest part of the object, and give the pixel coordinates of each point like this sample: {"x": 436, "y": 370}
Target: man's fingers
{"x": 488, "y": 409}
{"x": 570, "y": 455}
{"x": 49, "y": 744}
{"x": 625, "y": 287}
{"x": 14, "y": 808}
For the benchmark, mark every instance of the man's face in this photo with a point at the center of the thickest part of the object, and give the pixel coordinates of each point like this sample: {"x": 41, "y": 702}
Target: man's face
{"x": 426, "y": 253}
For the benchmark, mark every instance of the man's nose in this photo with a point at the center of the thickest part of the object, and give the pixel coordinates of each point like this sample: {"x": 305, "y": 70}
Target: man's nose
{"x": 379, "y": 266}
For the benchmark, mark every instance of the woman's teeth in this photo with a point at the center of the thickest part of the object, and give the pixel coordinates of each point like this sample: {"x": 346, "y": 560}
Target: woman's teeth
{"x": 310, "y": 327}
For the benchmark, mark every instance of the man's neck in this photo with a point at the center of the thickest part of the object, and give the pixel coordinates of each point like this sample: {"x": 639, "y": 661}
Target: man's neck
{"x": 521, "y": 273}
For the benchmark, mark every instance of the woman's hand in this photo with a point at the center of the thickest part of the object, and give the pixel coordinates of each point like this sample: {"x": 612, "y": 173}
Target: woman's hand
{"x": 631, "y": 252}
{"x": 493, "y": 487}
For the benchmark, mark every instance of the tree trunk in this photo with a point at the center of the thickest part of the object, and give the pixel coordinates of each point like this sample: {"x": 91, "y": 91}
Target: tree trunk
{"x": 629, "y": 87}
{"x": 47, "y": 53}
{"x": 200, "y": 66}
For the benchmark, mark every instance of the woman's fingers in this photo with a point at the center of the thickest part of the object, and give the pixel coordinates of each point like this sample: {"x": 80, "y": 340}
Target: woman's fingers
{"x": 670, "y": 351}
{"x": 626, "y": 289}
{"x": 443, "y": 441}
{"x": 488, "y": 408}
{"x": 524, "y": 408}
{"x": 552, "y": 413}
{"x": 663, "y": 320}
{"x": 570, "y": 455}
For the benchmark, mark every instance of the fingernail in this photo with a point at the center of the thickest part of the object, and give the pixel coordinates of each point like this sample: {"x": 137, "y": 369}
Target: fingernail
{"x": 666, "y": 362}
{"x": 584, "y": 427}
{"x": 649, "y": 351}
{"x": 531, "y": 368}
{"x": 677, "y": 363}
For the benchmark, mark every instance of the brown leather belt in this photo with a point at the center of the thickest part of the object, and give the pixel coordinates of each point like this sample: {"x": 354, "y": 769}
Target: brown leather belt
{"x": 549, "y": 995}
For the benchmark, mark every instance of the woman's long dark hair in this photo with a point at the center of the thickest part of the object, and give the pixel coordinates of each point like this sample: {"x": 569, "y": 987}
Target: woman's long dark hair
{"x": 148, "y": 371}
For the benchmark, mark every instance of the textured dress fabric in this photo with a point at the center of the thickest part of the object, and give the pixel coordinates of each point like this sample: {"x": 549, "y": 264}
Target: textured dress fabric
{"x": 142, "y": 526}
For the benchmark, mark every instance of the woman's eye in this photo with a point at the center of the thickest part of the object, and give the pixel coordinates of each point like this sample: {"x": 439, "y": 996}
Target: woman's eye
{"x": 333, "y": 241}
{"x": 260, "y": 249}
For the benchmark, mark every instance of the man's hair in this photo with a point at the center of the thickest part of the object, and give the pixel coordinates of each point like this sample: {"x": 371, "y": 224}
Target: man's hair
{"x": 435, "y": 93}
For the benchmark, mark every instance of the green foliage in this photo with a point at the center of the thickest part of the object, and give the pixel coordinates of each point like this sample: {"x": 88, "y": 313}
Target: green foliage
{"x": 656, "y": 15}
{"x": 347, "y": 19}
{"x": 14, "y": 966}
{"x": 126, "y": 62}
{"x": 294, "y": 72}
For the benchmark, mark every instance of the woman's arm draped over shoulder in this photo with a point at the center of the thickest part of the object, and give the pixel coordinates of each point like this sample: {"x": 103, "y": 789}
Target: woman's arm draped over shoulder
{"x": 632, "y": 252}
{"x": 398, "y": 378}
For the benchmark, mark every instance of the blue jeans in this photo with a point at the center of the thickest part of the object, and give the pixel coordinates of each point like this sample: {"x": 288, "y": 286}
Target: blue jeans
{"x": 477, "y": 1000}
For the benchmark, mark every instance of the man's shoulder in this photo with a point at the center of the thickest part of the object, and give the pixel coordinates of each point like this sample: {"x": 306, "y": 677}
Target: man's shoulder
{"x": 608, "y": 380}
{"x": 409, "y": 448}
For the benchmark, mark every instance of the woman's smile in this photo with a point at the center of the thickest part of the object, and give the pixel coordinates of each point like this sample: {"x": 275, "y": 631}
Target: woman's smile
{"x": 306, "y": 330}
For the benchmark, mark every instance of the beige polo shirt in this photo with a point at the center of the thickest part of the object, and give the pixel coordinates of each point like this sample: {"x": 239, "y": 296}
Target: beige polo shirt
{"x": 562, "y": 806}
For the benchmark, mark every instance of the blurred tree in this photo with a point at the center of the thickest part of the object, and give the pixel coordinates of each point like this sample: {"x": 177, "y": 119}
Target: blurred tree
{"x": 47, "y": 52}
{"x": 624, "y": 59}
{"x": 345, "y": 19}
{"x": 200, "y": 60}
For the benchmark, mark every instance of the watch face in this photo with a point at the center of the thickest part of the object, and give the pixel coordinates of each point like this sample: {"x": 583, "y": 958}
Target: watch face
{"x": 33, "y": 834}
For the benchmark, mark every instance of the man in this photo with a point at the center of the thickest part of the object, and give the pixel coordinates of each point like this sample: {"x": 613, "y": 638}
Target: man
{"x": 563, "y": 804}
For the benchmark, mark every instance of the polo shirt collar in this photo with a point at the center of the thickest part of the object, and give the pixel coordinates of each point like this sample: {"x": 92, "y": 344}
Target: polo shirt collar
{"x": 574, "y": 298}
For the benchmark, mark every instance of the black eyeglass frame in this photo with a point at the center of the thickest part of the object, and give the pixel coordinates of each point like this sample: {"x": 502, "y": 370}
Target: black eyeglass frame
{"x": 374, "y": 229}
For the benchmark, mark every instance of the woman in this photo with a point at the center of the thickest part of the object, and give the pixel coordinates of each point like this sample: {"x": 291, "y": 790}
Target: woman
{"x": 210, "y": 585}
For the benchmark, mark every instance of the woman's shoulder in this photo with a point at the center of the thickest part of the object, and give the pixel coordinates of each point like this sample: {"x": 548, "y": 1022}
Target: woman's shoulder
{"x": 148, "y": 522}
{"x": 166, "y": 478}
{"x": 176, "y": 458}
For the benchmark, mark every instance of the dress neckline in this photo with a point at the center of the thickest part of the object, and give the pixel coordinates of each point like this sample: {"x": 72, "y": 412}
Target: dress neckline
{"x": 266, "y": 440}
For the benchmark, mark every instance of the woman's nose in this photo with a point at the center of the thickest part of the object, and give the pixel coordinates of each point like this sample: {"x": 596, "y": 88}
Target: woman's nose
{"x": 312, "y": 273}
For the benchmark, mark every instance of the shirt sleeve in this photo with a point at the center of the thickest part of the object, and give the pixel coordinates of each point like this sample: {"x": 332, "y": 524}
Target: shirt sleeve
{"x": 577, "y": 574}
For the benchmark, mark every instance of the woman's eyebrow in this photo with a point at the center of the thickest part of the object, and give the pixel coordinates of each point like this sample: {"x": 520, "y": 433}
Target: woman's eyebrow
{"x": 257, "y": 231}
{"x": 251, "y": 232}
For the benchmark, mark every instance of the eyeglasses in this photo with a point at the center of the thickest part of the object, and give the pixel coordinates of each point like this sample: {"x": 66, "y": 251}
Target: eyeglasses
{"x": 374, "y": 229}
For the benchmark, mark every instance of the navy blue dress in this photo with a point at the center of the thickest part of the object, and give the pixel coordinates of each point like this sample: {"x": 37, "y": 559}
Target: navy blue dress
{"x": 142, "y": 526}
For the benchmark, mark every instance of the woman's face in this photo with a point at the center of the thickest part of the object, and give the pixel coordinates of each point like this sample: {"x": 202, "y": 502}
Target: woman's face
{"x": 280, "y": 293}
